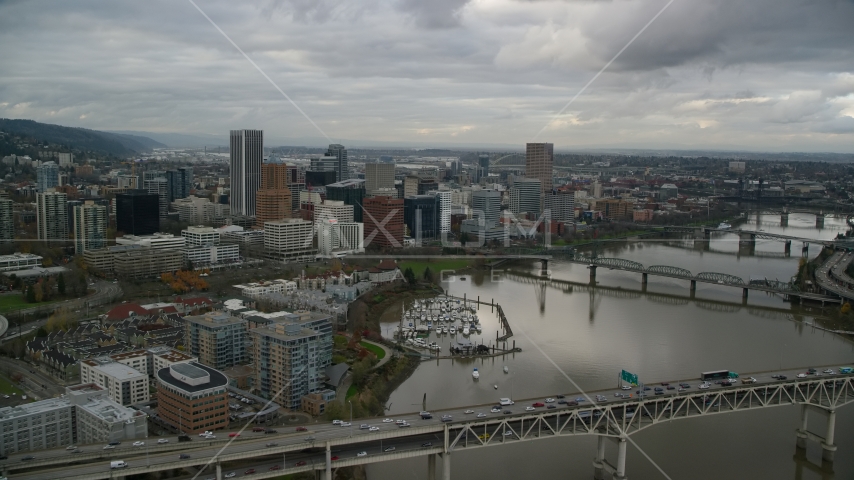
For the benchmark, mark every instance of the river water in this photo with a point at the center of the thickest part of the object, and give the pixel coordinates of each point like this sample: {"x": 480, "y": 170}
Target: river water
{"x": 663, "y": 334}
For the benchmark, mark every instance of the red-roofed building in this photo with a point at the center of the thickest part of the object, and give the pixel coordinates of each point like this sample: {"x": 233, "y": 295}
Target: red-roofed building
{"x": 125, "y": 310}
{"x": 385, "y": 272}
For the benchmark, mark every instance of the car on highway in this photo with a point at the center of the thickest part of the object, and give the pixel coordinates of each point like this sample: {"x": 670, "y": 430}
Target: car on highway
{"x": 138, "y": 444}
{"x": 27, "y": 458}
{"x": 249, "y": 471}
{"x": 625, "y": 387}
{"x": 404, "y": 425}
{"x": 685, "y": 385}
{"x": 426, "y": 444}
{"x": 71, "y": 447}
{"x": 374, "y": 429}
{"x": 388, "y": 420}
{"x": 230, "y": 475}
{"x": 388, "y": 449}
{"x": 272, "y": 444}
{"x": 495, "y": 410}
{"x": 507, "y": 412}
{"x": 270, "y": 430}
{"x": 538, "y": 404}
{"x": 206, "y": 433}
{"x": 802, "y": 375}
{"x": 183, "y": 456}
{"x": 346, "y": 424}
{"x": 550, "y": 400}
{"x": 275, "y": 467}
{"x": 529, "y": 409}
{"x": 551, "y": 406}
{"x": 109, "y": 447}
{"x": 233, "y": 435}
{"x": 362, "y": 454}
{"x": 481, "y": 415}
{"x": 302, "y": 429}
{"x": 830, "y": 371}
{"x": 559, "y": 396}
{"x": 467, "y": 412}
{"x": 364, "y": 426}
{"x": 258, "y": 429}
{"x": 115, "y": 443}
{"x": 335, "y": 457}
{"x": 162, "y": 440}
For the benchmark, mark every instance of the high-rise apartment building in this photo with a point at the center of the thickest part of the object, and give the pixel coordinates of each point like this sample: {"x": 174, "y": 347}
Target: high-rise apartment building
{"x": 7, "y": 223}
{"x": 421, "y": 216}
{"x": 290, "y": 358}
{"x": 486, "y": 204}
{"x": 155, "y": 183}
{"x": 526, "y": 196}
{"x": 539, "y": 163}
{"x": 291, "y": 239}
{"x": 340, "y": 154}
{"x": 383, "y": 218}
{"x": 351, "y": 192}
{"x": 90, "y": 226}
{"x": 137, "y": 212}
{"x": 192, "y": 397}
{"x": 377, "y": 176}
{"x": 47, "y": 176}
{"x": 333, "y": 209}
{"x": 180, "y": 183}
{"x": 247, "y": 152}
{"x": 218, "y": 339}
{"x": 443, "y": 199}
{"x": 271, "y": 205}
{"x": 52, "y": 217}
{"x": 561, "y": 205}
{"x": 336, "y": 238}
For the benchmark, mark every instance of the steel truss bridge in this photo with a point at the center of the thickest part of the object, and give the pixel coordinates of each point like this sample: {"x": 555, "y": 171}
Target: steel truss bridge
{"x": 614, "y": 420}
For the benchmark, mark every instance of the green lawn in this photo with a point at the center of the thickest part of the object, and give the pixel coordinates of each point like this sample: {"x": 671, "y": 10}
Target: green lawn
{"x": 379, "y": 352}
{"x": 7, "y": 388}
{"x": 12, "y": 302}
{"x": 351, "y": 391}
{"x": 418, "y": 266}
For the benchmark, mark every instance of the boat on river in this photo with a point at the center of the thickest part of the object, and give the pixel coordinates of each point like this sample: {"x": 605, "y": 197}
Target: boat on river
{"x": 475, "y": 374}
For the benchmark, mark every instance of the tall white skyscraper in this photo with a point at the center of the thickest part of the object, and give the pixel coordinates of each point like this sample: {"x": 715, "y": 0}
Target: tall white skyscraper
{"x": 247, "y": 153}
{"x": 7, "y": 224}
{"x": 47, "y": 176}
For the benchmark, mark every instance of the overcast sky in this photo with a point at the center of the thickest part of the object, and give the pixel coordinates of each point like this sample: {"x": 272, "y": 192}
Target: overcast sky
{"x": 773, "y": 75}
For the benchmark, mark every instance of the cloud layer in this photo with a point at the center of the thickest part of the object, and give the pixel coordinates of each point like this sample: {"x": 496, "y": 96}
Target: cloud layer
{"x": 759, "y": 75}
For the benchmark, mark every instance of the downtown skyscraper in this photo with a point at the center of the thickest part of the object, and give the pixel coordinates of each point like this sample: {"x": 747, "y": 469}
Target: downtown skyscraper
{"x": 539, "y": 163}
{"x": 247, "y": 153}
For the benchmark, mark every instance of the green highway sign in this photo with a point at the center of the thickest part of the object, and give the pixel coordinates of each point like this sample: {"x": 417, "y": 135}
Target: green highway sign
{"x": 629, "y": 377}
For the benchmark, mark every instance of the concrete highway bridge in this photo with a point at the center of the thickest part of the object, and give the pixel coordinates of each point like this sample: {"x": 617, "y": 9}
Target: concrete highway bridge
{"x": 609, "y": 415}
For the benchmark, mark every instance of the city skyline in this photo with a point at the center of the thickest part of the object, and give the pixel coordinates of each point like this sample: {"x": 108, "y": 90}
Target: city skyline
{"x": 760, "y": 76}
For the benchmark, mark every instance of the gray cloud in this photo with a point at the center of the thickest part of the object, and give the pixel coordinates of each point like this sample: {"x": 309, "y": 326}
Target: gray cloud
{"x": 765, "y": 74}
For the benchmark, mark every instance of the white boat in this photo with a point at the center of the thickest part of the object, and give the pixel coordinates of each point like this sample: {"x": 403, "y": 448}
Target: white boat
{"x": 466, "y": 330}
{"x": 495, "y": 386}
{"x": 724, "y": 226}
{"x": 475, "y": 374}
{"x": 506, "y": 369}
{"x": 453, "y": 330}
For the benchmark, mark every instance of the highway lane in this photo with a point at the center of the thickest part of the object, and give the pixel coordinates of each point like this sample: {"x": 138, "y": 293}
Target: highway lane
{"x": 321, "y": 433}
{"x": 831, "y": 275}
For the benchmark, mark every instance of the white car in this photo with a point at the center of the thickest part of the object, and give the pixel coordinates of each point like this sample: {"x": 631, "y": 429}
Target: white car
{"x": 830, "y": 371}
{"x": 109, "y": 447}
{"x": 802, "y": 375}
{"x": 345, "y": 424}
{"x": 162, "y": 440}
{"x": 362, "y": 454}
{"x": 550, "y": 400}
{"x": 71, "y": 447}
{"x": 481, "y": 415}
{"x": 388, "y": 420}
{"x": 205, "y": 433}
{"x": 529, "y": 409}
{"x": 336, "y": 422}
{"x": 703, "y": 386}
{"x": 230, "y": 475}
{"x": 210, "y": 437}
{"x": 468, "y": 412}
{"x": 495, "y": 410}
{"x": 374, "y": 429}
{"x": 625, "y": 387}
{"x": 138, "y": 444}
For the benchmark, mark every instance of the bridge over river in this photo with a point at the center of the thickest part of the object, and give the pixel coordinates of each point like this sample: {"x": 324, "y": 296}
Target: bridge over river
{"x": 610, "y": 415}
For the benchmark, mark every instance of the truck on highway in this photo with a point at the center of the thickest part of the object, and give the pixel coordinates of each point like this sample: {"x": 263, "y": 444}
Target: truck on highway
{"x": 118, "y": 464}
{"x": 718, "y": 375}
{"x": 845, "y": 369}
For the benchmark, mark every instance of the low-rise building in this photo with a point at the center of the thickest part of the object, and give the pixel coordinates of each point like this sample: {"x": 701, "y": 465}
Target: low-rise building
{"x": 192, "y": 397}
{"x": 19, "y": 261}
{"x": 260, "y": 289}
{"x": 147, "y": 262}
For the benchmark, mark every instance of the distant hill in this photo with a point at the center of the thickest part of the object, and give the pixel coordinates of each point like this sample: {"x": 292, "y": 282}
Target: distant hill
{"x": 80, "y": 138}
{"x": 181, "y": 140}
